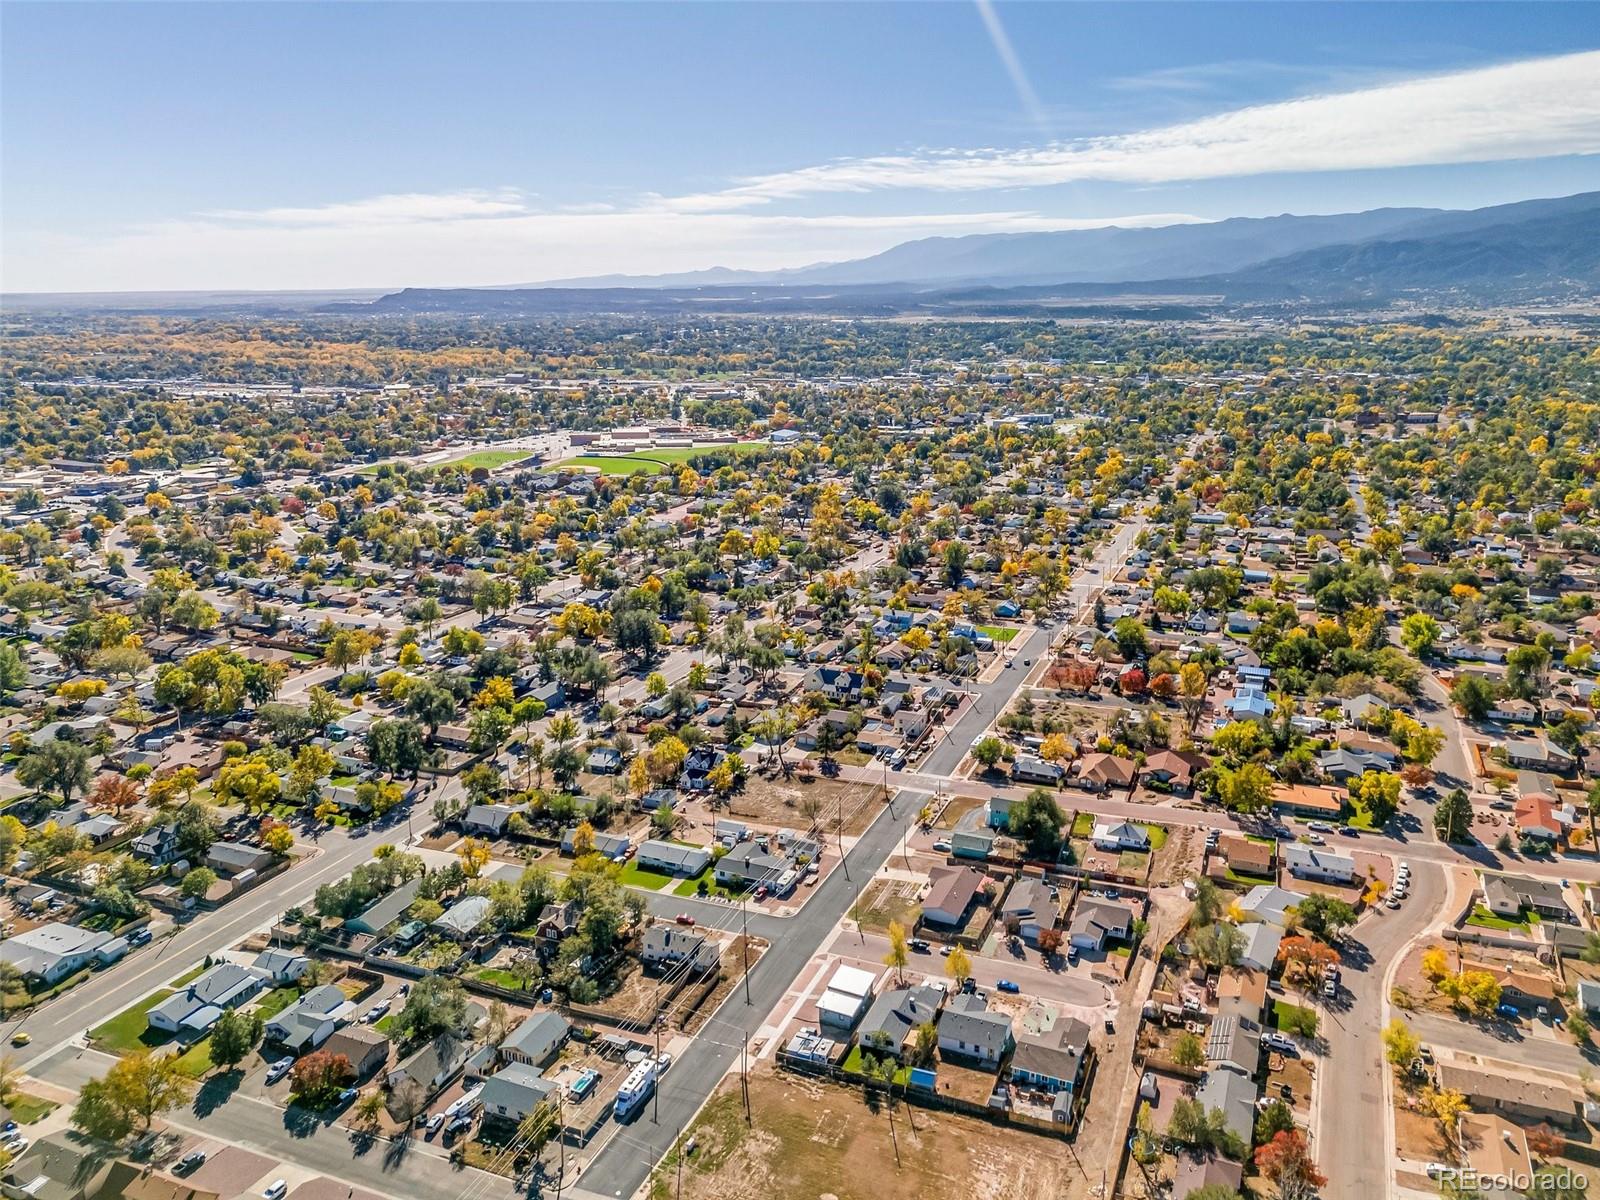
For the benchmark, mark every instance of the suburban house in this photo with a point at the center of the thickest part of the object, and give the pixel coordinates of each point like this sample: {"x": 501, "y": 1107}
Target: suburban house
{"x": 234, "y": 858}
{"x": 1246, "y": 856}
{"x": 1121, "y": 835}
{"x": 1315, "y": 862}
{"x": 1029, "y": 768}
{"x": 1094, "y": 923}
{"x": 1260, "y": 945}
{"x": 49, "y": 953}
{"x": 309, "y": 1021}
{"x": 607, "y": 845}
{"x": 1234, "y": 1042}
{"x": 463, "y": 918}
{"x": 433, "y": 1064}
{"x": 672, "y": 858}
{"x": 1234, "y": 1093}
{"x": 537, "y": 1040}
{"x": 194, "y": 1008}
{"x": 969, "y": 1030}
{"x": 157, "y": 845}
{"x": 487, "y": 820}
{"x": 280, "y": 967}
{"x": 669, "y": 945}
{"x": 365, "y": 1047}
{"x": 1523, "y": 1101}
{"x": 893, "y": 1019}
{"x": 951, "y": 894}
{"x": 1052, "y": 1061}
{"x": 836, "y": 683}
{"x": 1032, "y": 905}
{"x": 847, "y": 996}
{"x": 514, "y": 1093}
{"x": 1536, "y": 818}
{"x": 1539, "y": 754}
{"x": 1507, "y": 895}
{"x": 748, "y": 865}
{"x": 385, "y": 910}
{"x": 1308, "y": 800}
{"x": 1173, "y": 770}
{"x": 1268, "y": 902}
{"x": 1102, "y": 772}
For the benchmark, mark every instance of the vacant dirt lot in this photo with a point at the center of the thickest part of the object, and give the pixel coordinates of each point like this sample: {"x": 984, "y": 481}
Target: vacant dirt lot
{"x": 810, "y": 1140}
{"x": 796, "y": 802}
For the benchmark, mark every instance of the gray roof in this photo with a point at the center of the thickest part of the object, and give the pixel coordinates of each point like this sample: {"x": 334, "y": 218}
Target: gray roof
{"x": 894, "y": 1014}
{"x": 538, "y": 1037}
{"x": 465, "y": 915}
{"x": 1235, "y": 1094}
{"x": 386, "y": 910}
{"x": 1057, "y": 1054}
{"x": 1234, "y": 1042}
{"x": 976, "y": 1026}
{"x": 515, "y": 1091}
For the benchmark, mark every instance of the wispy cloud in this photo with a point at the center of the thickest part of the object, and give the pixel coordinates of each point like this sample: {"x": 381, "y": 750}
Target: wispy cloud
{"x": 403, "y": 208}
{"x": 1532, "y": 109}
{"x": 1007, "y": 54}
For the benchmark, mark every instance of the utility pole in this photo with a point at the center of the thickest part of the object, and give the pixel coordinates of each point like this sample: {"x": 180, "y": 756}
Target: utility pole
{"x": 680, "y": 1163}
{"x": 655, "y": 1092}
{"x": 744, "y": 1080}
{"x": 744, "y": 943}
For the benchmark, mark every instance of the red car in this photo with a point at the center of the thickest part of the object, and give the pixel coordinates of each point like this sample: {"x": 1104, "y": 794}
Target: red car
{"x": 685, "y": 919}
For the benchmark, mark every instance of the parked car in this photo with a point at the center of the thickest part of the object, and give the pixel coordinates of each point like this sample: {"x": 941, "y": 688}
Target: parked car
{"x": 1006, "y": 985}
{"x": 190, "y": 1162}
{"x": 942, "y": 846}
{"x": 376, "y": 1012}
{"x": 279, "y": 1069}
{"x": 920, "y": 945}
{"x": 1276, "y": 1041}
{"x": 349, "y": 1094}
{"x": 434, "y": 1122}
{"x": 684, "y": 919}
{"x": 276, "y": 1190}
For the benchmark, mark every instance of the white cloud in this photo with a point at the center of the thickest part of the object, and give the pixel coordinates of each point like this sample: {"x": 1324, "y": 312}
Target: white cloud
{"x": 336, "y": 246}
{"x": 393, "y": 209}
{"x": 1533, "y": 109}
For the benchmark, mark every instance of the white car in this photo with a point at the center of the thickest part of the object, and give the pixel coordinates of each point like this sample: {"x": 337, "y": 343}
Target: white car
{"x": 1276, "y": 1041}
{"x": 276, "y": 1190}
{"x": 278, "y": 1070}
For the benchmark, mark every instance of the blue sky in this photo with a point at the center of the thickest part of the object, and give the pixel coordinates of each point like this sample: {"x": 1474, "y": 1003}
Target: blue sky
{"x": 234, "y": 145}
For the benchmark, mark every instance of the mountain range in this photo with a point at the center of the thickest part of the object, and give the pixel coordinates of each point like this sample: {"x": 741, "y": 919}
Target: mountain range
{"x": 1511, "y": 253}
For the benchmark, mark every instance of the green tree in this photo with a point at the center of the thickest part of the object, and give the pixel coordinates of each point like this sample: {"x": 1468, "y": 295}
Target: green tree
{"x": 1036, "y": 820}
{"x": 1473, "y": 695}
{"x": 1400, "y": 1045}
{"x": 987, "y": 751}
{"x": 233, "y": 1036}
{"x": 58, "y": 765}
{"x": 1418, "y": 632}
{"x": 1187, "y": 1051}
{"x": 1452, "y": 817}
{"x": 198, "y": 882}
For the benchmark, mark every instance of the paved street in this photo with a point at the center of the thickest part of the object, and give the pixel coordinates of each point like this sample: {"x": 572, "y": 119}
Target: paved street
{"x": 1352, "y": 1123}
{"x": 1528, "y": 1044}
{"x": 109, "y": 991}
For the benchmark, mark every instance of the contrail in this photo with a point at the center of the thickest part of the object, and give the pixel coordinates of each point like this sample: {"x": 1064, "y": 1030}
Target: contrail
{"x": 1013, "y": 65}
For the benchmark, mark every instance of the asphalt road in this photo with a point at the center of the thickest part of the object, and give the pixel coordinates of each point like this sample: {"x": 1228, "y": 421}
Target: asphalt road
{"x": 1352, "y": 1124}
{"x": 109, "y": 991}
{"x": 625, "y": 1161}
{"x": 1503, "y": 1040}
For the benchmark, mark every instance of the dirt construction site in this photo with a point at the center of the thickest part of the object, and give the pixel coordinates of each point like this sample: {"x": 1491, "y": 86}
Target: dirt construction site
{"x": 808, "y": 1139}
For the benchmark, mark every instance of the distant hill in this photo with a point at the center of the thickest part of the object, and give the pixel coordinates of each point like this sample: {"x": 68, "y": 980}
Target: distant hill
{"x": 1110, "y": 253}
{"x": 1511, "y": 253}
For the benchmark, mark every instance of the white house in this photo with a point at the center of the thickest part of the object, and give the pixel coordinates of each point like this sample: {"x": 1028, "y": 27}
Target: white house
{"x": 1315, "y": 862}
{"x": 1124, "y": 835}
{"x": 847, "y": 997}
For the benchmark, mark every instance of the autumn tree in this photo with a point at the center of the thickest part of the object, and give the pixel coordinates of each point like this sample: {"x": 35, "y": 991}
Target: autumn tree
{"x": 898, "y": 954}
{"x": 1286, "y": 1161}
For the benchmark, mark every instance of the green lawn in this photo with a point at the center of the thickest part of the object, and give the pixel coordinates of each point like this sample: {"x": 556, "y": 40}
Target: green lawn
{"x": 1083, "y": 825}
{"x": 385, "y": 1022}
{"x": 496, "y": 977}
{"x": 487, "y": 459}
{"x": 1293, "y": 1017}
{"x": 999, "y": 633}
{"x": 653, "y": 461}
{"x": 26, "y": 1109}
{"x": 691, "y": 887}
{"x": 852, "y": 1063}
{"x": 129, "y": 1031}
{"x": 196, "y": 1060}
{"x": 1158, "y": 835}
{"x": 1484, "y": 919}
{"x": 634, "y": 875}
{"x": 1360, "y": 818}
{"x": 275, "y": 1001}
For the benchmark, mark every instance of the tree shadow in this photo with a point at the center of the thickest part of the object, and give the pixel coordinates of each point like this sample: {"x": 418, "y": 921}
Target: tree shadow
{"x": 216, "y": 1091}
{"x": 302, "y": 1122}
{"x": 394, "y": 1155}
